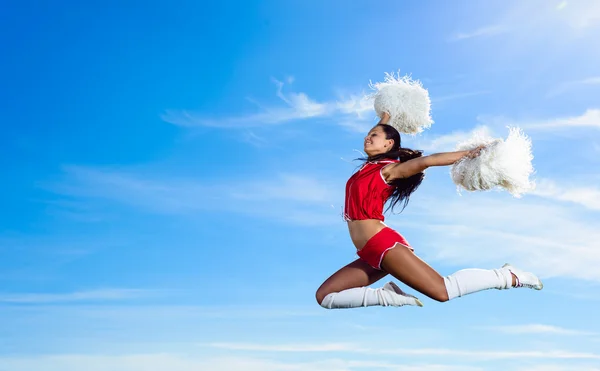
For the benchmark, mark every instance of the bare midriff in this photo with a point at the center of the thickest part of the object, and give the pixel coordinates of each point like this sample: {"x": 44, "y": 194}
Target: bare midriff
{"x": 361, "y": 231}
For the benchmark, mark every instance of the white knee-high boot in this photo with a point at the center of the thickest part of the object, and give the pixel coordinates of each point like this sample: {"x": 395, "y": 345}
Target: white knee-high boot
{"x": 468, "y": 281}
{"x": 388, "y": 295}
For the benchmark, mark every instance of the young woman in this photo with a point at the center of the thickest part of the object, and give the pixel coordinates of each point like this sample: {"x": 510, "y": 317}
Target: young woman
{"x": 392, "y": 173}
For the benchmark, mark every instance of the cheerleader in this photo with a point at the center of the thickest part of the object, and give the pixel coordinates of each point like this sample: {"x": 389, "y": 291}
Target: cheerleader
{"x": 391, "y": 174}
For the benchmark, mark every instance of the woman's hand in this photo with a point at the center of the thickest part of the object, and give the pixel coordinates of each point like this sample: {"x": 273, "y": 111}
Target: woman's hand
{"x": 475, "y": 152}
{"x": 385, "y": 118}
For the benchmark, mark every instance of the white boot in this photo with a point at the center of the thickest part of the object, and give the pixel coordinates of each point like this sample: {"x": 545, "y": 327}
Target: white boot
{"x": 389, "y": 295}
{"x": 525, "y": 279}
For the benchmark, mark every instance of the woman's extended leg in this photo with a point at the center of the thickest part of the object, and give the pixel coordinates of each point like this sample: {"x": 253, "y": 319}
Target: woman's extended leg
{"x": 346, "y": 288}
{"x": 404, "y": 265}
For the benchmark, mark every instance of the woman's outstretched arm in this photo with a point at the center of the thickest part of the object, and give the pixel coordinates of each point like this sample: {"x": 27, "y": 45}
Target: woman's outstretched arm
{"x": 419, "y": 164}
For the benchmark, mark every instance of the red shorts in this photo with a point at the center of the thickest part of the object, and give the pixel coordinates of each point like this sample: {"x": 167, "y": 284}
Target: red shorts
{"x": 376, "y": 248}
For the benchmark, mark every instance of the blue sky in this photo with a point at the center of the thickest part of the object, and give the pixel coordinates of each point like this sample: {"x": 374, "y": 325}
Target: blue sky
{"x": 174, "y": 173}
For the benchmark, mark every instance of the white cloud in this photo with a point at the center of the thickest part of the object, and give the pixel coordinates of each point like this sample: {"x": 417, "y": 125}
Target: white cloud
{"x": 481, "y": 32}
{"x": 590, "y": 81}
{"x": 448, "y": 142}
{"x": 253, "y": 139}
{"x": 536, "y": 329}
{"x": 303, "y": 199}
{"x": 351, "y": 111}
{"x": 450, "y": 97}
{"x": 291, "y": 187}
{"x": 589, "y": 119}
{"x": 123, "y": 315}
{"x": 426, "y": 352}
{"x": 163, "y": 196}
{"x": 489, "y": 229}
{"x": 181, "y": 362}
{"x": 361, "y": 127}
{"x": 528, "y": 20}
{"x": 298, "y": 106}
{"x": 548, "y": 367}
{"x": 355, "y": 105}
{"x": 328, "y": 347}
{"x": 92, "y": 295}
{"x": 513, "y": 231}
{"x": 570, "y": 85}
{"x": 300, "y": 103}
{"x": 491, "y": 355}
{"x": 586, "y": 196}
{"x": 579, "y": 14}
{"x": 139, "y": 362}
{"x": 354, "y": 112}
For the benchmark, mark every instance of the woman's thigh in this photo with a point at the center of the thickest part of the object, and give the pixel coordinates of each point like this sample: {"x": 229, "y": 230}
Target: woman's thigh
{"x": 408, "y": 268}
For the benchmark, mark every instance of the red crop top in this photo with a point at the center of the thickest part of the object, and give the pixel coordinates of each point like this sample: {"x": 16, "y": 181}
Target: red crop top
{"x": 367, "y": 192}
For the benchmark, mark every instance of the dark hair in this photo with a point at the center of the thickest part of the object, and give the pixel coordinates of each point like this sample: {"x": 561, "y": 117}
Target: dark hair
{"x": 403, "y": 187}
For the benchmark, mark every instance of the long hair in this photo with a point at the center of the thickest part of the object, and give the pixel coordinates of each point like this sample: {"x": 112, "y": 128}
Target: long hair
{"x": 403, "y": 187}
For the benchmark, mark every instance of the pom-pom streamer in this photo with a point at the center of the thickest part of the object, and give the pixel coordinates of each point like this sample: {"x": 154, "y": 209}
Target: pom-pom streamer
{"x": 405, "y": 100}
{"x": 501, "y": 163}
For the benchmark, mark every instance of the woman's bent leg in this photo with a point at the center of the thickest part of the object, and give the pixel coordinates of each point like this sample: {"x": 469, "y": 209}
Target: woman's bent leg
{"x": 347, "y": 289}
{"x": 404, "y": 265}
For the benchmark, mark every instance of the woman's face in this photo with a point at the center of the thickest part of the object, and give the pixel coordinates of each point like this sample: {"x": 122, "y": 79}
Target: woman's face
{"x": 376, "y": 143}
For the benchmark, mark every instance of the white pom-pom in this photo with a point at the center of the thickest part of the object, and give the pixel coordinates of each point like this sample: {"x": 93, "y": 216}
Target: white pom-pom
{"x": 405, "y": 100}
{"x": 502, "y": 163}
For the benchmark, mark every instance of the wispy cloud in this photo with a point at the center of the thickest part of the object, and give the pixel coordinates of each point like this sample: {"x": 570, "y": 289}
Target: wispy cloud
{"x": 451, "y": 97}
{"x": 356, "y": 126}
{"x": 288, "y": 187}
{"x": 253, "y": 139}
{"x": 150, "y": 193}
{"x": 441, "y": 352}
{"x": 92, "y": 295}
{"x": 586, "y": 196}
{"x": 551, "y": 367}
{"x": 536, "y": 329}
{"x": 492, "y": 355}
{"x": 589, "y": 119}
{"x": 306, "y": 200}
{"x": 487, "y": 229}
{"x": 538, "y": 17}
{"x": 327, "y": 347}
{"x": 480, "y": 32}
{"x": 570, "y": 85}
{"x": 182, "y": 194}
{"x": 354, "y": 112}
{"x": 448, "y": 142}
{"x": 311, "y": 198}
{"x": 185, "y": 362}
{"x": 581, "y": 14}
{"x": 297, "y": 106}
{"x": 129, "y": 314}
{"x": 590, "y": 81}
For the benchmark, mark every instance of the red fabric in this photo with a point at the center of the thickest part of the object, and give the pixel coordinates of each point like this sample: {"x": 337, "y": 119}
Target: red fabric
{"x": 367, "y": 192}
{"x": 378, "y": 245}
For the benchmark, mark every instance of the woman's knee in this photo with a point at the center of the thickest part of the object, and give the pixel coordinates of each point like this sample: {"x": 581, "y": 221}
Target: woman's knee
{"x": 321, "y": 294}
{"x": 439, "y": 294}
